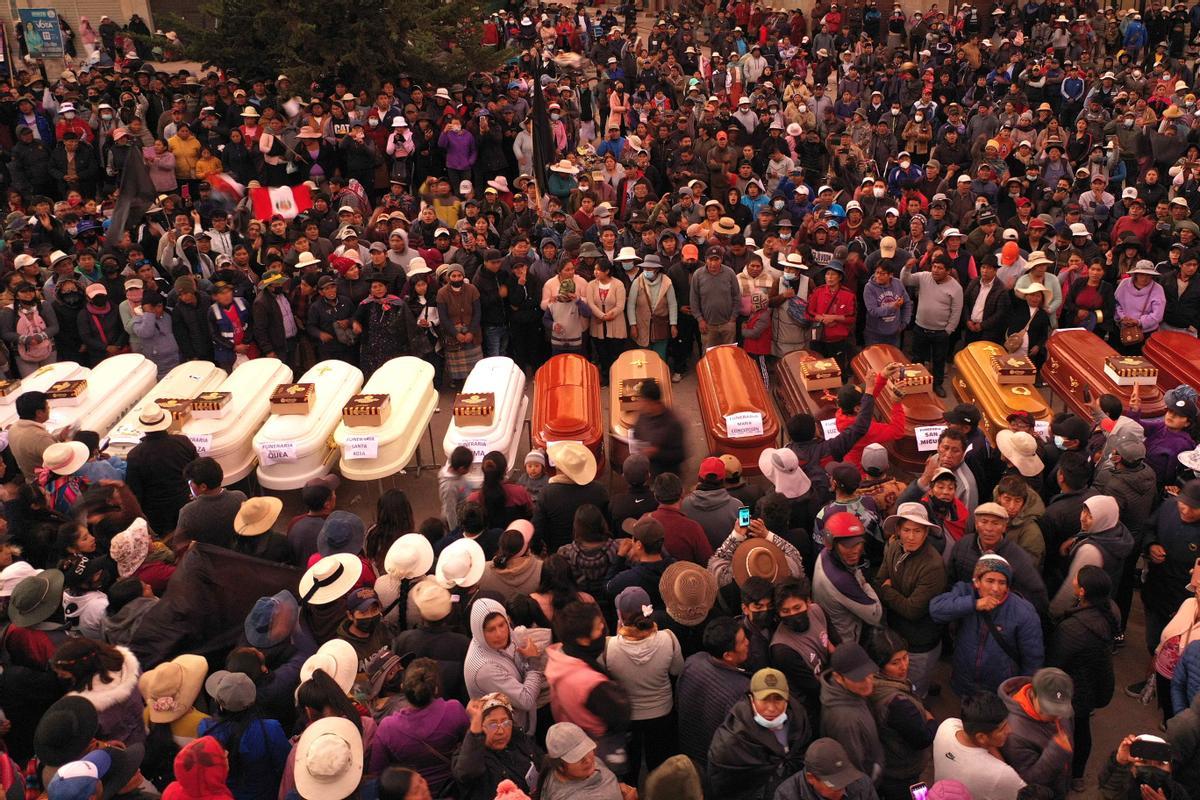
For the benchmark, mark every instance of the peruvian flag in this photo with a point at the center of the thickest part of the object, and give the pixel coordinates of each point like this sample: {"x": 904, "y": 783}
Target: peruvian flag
{"x": 226, "y": 186}
{"x": 286, "y": 201}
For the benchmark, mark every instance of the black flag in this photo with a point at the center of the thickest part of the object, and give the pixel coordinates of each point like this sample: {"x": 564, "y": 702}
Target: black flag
{"x": 136, "y": 195}
{"x": 543, "y": 140}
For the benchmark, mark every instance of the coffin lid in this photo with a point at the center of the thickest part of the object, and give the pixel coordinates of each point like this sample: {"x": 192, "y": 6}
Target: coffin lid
{"x": 975, "y": 365}
{"x": 729, "y": 384}
{"x": 566, "y": 398}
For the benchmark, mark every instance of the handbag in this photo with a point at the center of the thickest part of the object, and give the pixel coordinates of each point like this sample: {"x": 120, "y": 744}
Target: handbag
{"x": 1014, "y": 341}
{"x": 1132, "y": 333}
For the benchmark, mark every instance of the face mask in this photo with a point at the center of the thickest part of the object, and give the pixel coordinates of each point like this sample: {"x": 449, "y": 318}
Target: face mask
{"x": 457, "y": 284}
{"x": 877, "y": 192}
{"x": 784, "y": 235}
{"x": 803, "y": 108}
{"x": 771, "y": 724}
{"x": 895, "y": 112}
{"x": 555, "y": 117}
{"x": 1059, "y": 442}
{"x": 652, "y": 275}
{"x": 905, "y": 164}
{"x": 373, "y": 122}
{"x": 760, "y": 619}
{"x": 778, "y": 204}
{"x": 789, "y": 279}
{"x": 368, "y": 624}
{"x": 797, "y": 622}
{"x": 69, "y": 115}
{"x": 106, "y": 116}
{"x": 919, "y": 118}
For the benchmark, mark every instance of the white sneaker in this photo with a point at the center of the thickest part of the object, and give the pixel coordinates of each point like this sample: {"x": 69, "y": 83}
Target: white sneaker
{"x": 676, "y": 377}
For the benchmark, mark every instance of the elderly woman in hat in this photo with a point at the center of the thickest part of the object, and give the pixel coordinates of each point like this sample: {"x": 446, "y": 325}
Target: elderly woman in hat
{"x": 59, "y": 474}
{"x": 1028, "y": 323}
{"x": 494, "y": 750}
{"x": 460, "y": 316}
{"x": 1141, "y": 305}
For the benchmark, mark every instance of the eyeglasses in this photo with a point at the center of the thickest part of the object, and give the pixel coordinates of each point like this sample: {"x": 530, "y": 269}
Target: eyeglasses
{"x": 492, "y": 727}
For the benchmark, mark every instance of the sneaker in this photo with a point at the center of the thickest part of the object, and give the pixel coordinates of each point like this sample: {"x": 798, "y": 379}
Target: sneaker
{"x": 1135, "y": 690}
{"x": 676, "y": 377}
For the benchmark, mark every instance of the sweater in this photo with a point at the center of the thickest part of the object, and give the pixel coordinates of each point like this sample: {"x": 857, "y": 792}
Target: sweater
{"x": 644, "y": 668}
{"x": 706, "y": 690}
{"x": 714, "y": 509}
{"x": 940, "y": 306}
{"x": 715, "y": 298}
{"x": 847, "y": 717}
{"x": 1030, "y": 746}
{"x": 209, "y": 517}
{"x": 883, "y": 321}
{"x": 417, "y": 738}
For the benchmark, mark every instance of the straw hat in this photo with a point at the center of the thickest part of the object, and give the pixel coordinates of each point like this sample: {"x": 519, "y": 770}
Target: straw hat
{"x": 757, "y": 557}
{"x": 913, "y": 512}
{"x": 688, "y": 591}
{"x": 330, "y": 578}
{"x": 249, "y": 111}
{"x": 257, "y": 515}
{"x": 574, "y": 461}
{"x": 565, "y": 167}
{"x": 338, "y": 659}
{"x": 329, "y": 759}
{"x": 461, "y": 563}
{"x": 410, "y": 556}
{"x": 1035, "y": 287}
{"x": 726, "y": 227}
{"x": 170, "y": 689}
{"x": 307, "y": 259}
{"x": 65, "y": 458}
{"x": 153, "y": 418}
{"x": 1020, "y": 448}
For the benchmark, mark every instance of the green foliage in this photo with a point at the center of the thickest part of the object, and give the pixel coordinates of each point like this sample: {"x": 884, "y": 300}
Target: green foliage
{"x": 362, "y": 42}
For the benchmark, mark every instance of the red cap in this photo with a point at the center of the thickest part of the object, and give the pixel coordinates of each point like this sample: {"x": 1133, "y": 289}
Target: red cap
{"x": 712, "y": 468}
{"x": 690, "y": 251}
{"x": 844, "y": 525}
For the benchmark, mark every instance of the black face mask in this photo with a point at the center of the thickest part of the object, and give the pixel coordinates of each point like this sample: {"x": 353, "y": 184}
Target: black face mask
{"x": 761, "y": 619}
{"x": 368, "y": 624}
{"x": 457, "y": 284}
{"x": 72, "y": 299}
{"x": 797, "y": 622}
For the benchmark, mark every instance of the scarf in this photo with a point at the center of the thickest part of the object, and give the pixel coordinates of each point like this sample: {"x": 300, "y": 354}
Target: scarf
{"x": 587, "y": 653}
{"x": 387, "y": 301}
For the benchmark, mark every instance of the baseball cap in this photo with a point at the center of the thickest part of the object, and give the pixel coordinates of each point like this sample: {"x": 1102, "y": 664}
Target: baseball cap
{"x": 712, "y": 467}
{"x": 963, "y": 414}
{"x": 733, "y": 468}
{"x": 767, "y": 682}
{"x": 361, "y": 599}
{"x": 826, "y": 760}
{"x": 647, "y": 531}
{"x": 874, "y": 456}
{"x": 691, "y": 252}
{"x": 76, "y": 780}
{"x": 851, "y": 661}
{"x": 567, "y": 741}
{"x": 1052, "y": 688}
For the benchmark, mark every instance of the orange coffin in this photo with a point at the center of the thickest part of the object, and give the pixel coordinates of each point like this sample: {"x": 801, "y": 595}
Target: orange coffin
{"x": 1177, "y": 357}
{"x": 920, "y": 409}
{"x": 787, "y": 384}
{"x": 1075, "y": 361}
{"x": 975, "y": 382}
{"x": 730, "y": 390}
{"x": 566, "y": 404}
{"x": 630, "y": 369}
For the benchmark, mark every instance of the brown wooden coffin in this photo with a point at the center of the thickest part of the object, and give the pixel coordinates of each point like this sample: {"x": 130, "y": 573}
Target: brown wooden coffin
{"x": 976, "y": 382}
{"x": 920, "y": 409}
{"x": 566, "y": 404}
{"x": 728, "y": 383}
{"x": 628, "y": 371}
{"x": 1075, "y": 361}
{"x": 792, "y": 396}
{"x": 1177, "y": 357}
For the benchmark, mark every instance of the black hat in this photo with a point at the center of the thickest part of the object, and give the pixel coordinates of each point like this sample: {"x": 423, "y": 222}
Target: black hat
{"x": 492, "y": 254}
{"x": 963, "y": 414}
{"x": 65, "y": 731}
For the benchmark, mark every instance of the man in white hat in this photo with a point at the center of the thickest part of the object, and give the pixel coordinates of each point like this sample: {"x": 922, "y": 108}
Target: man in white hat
{"x": 574, "y": 485}
{"x": 155, "y": 469}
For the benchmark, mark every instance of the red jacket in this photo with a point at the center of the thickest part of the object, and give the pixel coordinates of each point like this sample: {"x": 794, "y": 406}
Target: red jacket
{"x": 823, "y": 301}
{"x": 878, "y": 433}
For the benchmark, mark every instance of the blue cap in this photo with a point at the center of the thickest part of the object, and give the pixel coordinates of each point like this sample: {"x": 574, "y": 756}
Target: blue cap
{"x": 272, "y": 620}
{"x": 76, "y": 780}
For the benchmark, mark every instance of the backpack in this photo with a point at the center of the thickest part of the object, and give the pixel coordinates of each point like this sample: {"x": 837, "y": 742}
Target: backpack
{"x": 29, "y": 324}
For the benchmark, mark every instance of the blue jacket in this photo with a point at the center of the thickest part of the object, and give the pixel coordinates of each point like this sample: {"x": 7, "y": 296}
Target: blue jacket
{"x": 1136, "y": 35}
{"x": 980, "y": 663}
{"x": 1185, "y": 683}
{"x": 263, "y": 752}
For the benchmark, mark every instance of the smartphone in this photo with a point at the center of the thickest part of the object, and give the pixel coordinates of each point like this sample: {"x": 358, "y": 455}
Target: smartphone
{"x": 744, "y": 516}
{"x": 918, "y": 791}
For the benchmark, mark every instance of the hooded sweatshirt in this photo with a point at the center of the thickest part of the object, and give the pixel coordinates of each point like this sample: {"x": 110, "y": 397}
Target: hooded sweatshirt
{"x": 644, "y": 668}
{"x": 1106, "y": 545}
{"x": 201, "y": 769}
{"x": 489, "y": 670}
{"x": 119, "y": 628}
{"x": 715, "y": 510}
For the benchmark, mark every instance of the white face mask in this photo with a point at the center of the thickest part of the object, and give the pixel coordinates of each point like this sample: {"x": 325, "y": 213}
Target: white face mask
{"x": 905, "y": 164}
{"x": 803, "y": 108}
{"x": 877, "y": 192}
{"x": 895, "y": 112}
{"x": 919, "y": 118}
{"x": 771, "y": 724}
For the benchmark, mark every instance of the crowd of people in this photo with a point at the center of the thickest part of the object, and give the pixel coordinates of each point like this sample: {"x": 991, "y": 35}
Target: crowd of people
{"x": 829, "y": 178}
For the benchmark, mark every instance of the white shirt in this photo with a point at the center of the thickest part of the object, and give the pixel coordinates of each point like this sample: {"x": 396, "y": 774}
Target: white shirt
{"x": 984, "y": 290}
{"x": 985, "y": 776}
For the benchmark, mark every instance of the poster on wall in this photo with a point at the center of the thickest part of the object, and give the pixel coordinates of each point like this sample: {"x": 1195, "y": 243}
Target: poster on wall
{"x": 43, "y": 33}
{"x": 5, "y": 67}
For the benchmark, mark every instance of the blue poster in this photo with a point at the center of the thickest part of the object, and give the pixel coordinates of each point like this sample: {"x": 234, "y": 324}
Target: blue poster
{"x": 43, "y": 34}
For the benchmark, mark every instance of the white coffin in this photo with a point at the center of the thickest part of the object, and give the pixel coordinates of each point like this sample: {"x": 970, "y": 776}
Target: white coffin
{"x": 408, "y": 381}
{"x": 504, "y": 378}
{"x": 116, "y": 385}
{"x": 39, "y": 381}
{"x": 294, "y": 448}
{"x": 186, "y": 381}
{"x": 230, "y": 439}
